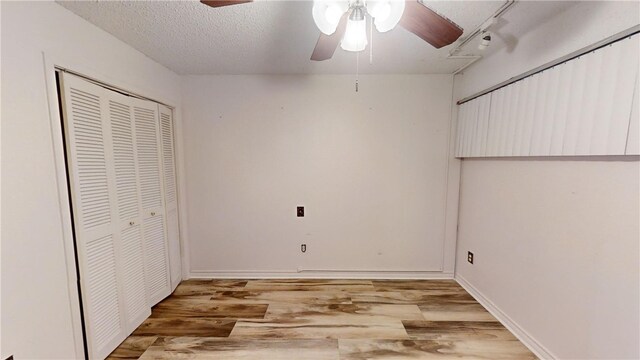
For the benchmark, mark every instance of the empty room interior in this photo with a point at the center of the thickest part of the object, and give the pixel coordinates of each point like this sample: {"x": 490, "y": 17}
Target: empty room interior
{"x": 320, "y": 179}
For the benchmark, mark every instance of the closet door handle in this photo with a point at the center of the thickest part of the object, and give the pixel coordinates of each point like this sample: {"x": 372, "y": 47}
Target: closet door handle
{"x": 153, "y": 213}
{"x": 131, "y": 223}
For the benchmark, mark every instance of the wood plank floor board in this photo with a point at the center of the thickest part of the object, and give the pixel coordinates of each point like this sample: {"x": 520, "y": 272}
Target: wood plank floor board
{"x": 358, "y": 349}
{"x": 186, "y": 326}
{"x": 226, "y": 349}
{"x": 370, "y": 328}
{"x": 320, "y": 319}
{"x": 182, "y": 307}
{"x": 419, "y": 297}
{"x": 133, "y": 347}
{"x": 194, "y": 287}
{"x": 348, "y": 312}
{"x": 457, "y": 330}
{"x": 455, "y": 311}
{"x": 274, "y": 297}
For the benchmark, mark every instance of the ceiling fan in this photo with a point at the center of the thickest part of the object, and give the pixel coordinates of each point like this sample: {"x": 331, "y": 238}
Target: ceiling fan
{"x": 344, "y": 22}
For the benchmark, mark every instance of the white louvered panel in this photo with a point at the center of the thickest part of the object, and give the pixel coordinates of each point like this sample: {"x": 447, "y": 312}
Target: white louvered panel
{"x": 470, "y": 125}
{"x": 170, "y": 193}
{"x": 514, "y": 118}
{"x": 484, "y": 106}
{"x": 89, "y": 158}
{"x": 482, "y": 124}
{"x": 166, "y": 131}
{"x": 148, "y": 154}
{"x": 522, "y": 135}
{"x": 157, "y": 274}
{"x": 498, "y": 121}
{"x": 137, "y": 307}
{"x": 543, "y": 146}
{"x": 462, "y": 111}
{"x": 124, "y": 160}
{"x": 589, "y": 103}
{"x": 633, "y": 139}
{"x": 102, "y": 293}
{"x": 579, "y": 75}
{"x": 90, "y": 175}
{"x": 174, "y": 246}
{"x": 615, "y": 95}
{"x": 494, "y": 123}
{"x": 148, "y": 157}
{"x": 520, "y": 117}
{"x": 504, "y": 120}
{"x": 539, "y": 111}
{"x": 505, "y": 110}
{"x": 562, "y": 108}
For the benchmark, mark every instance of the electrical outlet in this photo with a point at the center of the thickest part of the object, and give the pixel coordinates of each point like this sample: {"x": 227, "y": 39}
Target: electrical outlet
{"x": 303, "y": 248}
{"x": 470, "y": 257}
{"x": 300, "y": 211}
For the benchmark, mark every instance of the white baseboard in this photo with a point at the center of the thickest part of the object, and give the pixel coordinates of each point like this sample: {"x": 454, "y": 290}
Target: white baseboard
{"x": 529, "y": 341}
{"x": 320, "y": 274}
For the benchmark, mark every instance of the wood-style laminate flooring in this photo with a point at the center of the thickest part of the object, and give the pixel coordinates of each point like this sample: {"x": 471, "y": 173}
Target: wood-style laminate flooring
{"x": 320, "y": 319}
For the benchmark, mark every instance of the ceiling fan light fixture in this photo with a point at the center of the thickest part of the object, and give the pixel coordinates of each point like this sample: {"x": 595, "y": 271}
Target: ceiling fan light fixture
{"x": 327, "y": 13}
{"x": 355, "y": 36}
{"x": 387, "y": 13}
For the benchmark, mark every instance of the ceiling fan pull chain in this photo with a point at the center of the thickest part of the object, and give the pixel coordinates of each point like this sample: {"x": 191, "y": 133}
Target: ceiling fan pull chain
{"x": 357, "y": 68}
{"x": 371, "y": 41}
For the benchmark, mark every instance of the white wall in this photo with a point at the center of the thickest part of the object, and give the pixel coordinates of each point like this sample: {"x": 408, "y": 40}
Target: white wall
{"x": 555, "y": 241}
{"x": 37, "y": 308}
{"x": 369, "y": 167}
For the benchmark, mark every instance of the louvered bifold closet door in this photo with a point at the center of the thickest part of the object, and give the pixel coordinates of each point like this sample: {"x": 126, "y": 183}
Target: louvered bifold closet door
{"x": 137, "y": 309}
{"x": 151, "y": 182}
{"x": 95, "y": 217}
{"x": 170, "y": 193}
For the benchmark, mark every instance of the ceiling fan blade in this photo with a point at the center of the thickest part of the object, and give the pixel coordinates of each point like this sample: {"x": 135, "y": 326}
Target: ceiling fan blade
{"x": 216, "y": 3}
{"x": 327, "y": 44}
{"x": 429, "y": 25}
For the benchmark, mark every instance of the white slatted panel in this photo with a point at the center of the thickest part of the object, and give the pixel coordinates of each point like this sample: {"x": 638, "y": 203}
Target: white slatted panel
{"x": 495, "y": 122}
{"x": 562, "y": 109}
{"x": 149, "y": 166}
{"x": 155, "y": 252}
{"x": 124, "y": 160}
{"x": 482, "y": 126}
{"x": 615, "y": 95}
{"x": 171, "y": 201}
{"x": 90, "y": 159}
{"x": 91, "y": 179}
{"x": 461, "y": 132}
{"x": 470, "y": 128}
{"x": 148, "y": 146}
{"x": 484, "y": 107}
{"x": 166, "y": 131}
{"x": 173, "y": 234}
{"x": 128, "y": 209}
{"x": 134, "y": 284}
{"x": 580, "y": 107}
{"x": 104, "y": 308}
{"x": 633, "y": 139}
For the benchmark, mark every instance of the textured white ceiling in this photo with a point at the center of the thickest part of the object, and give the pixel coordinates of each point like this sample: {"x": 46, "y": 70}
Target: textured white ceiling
{"x": 265, "y": 37}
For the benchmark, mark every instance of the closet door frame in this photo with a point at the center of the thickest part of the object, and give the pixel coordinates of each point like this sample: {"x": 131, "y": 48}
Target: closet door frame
{"x": 54, "y": 63}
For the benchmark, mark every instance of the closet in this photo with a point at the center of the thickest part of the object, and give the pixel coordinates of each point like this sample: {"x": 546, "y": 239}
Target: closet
{"x": 121, "y": 171}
